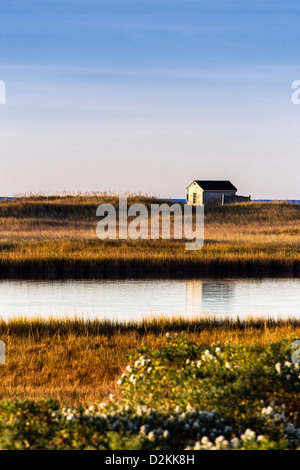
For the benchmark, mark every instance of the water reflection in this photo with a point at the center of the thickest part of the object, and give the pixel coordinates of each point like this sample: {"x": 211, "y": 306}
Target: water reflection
{"x": 207, "y": 295}
{"x": 135, "y": 299}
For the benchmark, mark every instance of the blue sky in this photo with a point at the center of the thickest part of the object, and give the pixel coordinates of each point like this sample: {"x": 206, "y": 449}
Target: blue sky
{"x": 130, "y": 95}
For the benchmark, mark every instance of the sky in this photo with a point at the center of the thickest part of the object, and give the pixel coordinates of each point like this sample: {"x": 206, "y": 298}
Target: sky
{"x": 148, "y": 95}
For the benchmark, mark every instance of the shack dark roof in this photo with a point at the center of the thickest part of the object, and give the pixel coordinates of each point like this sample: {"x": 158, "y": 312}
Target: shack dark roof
{"x": 211, "y": 185}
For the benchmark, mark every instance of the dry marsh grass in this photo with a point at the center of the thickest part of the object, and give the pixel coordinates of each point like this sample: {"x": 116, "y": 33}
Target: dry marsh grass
{"x": 42, "y": 235}
{"x": 77, "y": 361}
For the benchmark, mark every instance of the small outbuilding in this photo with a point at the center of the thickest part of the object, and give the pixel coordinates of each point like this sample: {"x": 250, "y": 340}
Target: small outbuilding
{"x": 213, "y": 192}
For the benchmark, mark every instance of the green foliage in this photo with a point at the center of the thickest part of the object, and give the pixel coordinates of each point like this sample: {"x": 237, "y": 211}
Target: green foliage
{"x": 181, "y": 396}
{"x": 232, "y": 380}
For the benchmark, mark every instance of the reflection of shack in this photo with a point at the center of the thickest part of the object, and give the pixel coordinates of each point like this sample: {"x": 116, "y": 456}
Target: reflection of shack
{"x": 209, "y": 295}
{"x": 193, "y": 293}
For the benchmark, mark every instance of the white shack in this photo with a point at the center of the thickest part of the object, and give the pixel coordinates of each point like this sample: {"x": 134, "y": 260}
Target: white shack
{"x": 213, "y": 192}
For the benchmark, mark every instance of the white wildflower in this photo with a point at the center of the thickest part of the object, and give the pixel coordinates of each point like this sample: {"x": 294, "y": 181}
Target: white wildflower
{"x": 248, "y": 435}
{"x": 278, "y": 368}
{"x": 235, "y": 442}
{"x": 151, "y": 436}
{"x": 205, "y": 440}
{"x": 189, "y": 408}
{"x": 132, "y": 379}
{"x": 144, "y": 429}
{"x": 267, "y": 411}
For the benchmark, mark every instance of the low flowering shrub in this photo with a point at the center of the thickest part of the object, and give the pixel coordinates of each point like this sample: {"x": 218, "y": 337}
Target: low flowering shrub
{"x": 181, "y": 396}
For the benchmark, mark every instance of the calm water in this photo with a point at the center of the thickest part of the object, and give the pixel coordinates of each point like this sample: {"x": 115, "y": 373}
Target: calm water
{"x": 135, "y": 299}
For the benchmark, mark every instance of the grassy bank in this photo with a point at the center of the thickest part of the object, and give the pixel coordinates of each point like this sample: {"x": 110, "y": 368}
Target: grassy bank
{"x": 75, "y": 362}
{"x": 205, "y": 384}
{"x": 56, "y": 237}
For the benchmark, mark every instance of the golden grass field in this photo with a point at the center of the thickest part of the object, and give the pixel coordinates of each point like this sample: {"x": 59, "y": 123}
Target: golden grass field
{"x": 77, "y": 362}
{"x": 80, "y": 362}
{"x": 57, "y": 236}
